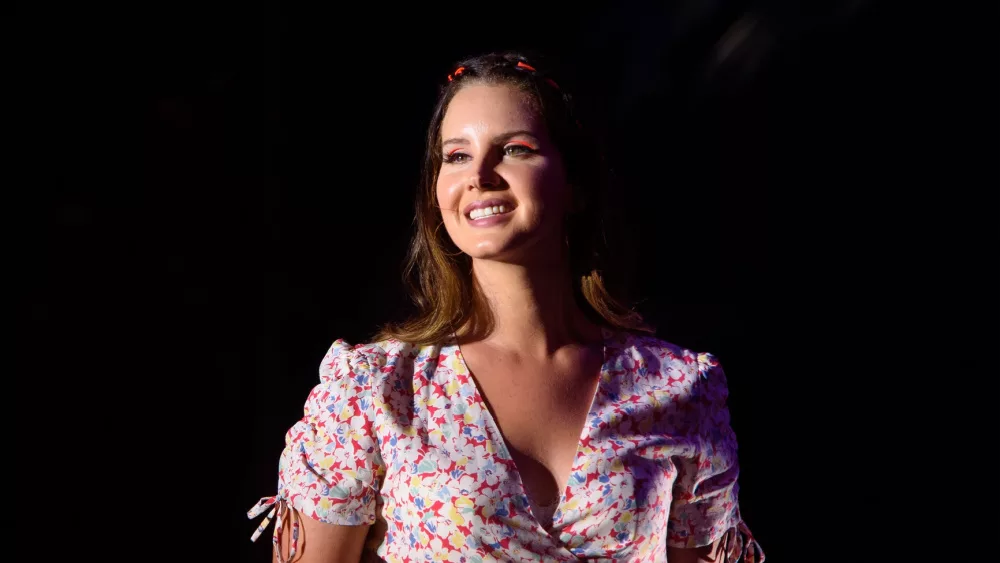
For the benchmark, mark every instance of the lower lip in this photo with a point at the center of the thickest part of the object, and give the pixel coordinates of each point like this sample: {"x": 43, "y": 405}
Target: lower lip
{"x": 491, "y": 220}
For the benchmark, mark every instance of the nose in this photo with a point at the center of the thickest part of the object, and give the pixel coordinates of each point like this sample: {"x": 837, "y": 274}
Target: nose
{"x": 485, "y": 177}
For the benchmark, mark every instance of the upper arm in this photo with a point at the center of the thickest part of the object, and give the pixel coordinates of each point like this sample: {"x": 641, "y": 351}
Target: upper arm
{"x": 330, "y": 469}
{"x": 331, "y": 466}
{"x": 706, "y": 553}
{"x": 704, "y": 502}
{"x": 704, "y": 510}
{"x": 322, "y": 543}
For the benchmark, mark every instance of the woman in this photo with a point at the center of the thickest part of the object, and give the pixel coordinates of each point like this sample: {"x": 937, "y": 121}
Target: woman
{"x": 522, "y": 414}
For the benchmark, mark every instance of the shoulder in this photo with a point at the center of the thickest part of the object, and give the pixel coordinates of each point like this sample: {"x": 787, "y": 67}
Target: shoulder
{"x": 374, "y": 362}
{"x": 656, "y": 365}
{"x": 691, "y": 384}
{"x": 659, "y": 357}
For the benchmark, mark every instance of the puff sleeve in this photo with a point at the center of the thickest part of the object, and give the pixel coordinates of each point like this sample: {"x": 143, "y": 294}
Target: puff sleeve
{"x": 331, "y": 466}
{"x": 705, "y": 506}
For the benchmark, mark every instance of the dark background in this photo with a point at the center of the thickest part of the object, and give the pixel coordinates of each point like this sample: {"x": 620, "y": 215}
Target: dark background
{"x": 232, "y": 190}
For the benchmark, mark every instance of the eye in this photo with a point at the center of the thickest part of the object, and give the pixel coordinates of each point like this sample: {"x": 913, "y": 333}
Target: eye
{"x": 455, "y": 157}
{"x": 519, "y": 149}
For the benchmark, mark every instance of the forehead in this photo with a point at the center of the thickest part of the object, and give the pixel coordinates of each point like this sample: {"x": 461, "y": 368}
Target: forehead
{"x": 490, "y": 109}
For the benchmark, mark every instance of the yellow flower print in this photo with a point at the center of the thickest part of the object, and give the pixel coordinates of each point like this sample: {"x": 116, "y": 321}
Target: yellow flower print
{"x": 454, "y": 515}
{"x": 347, "y": 413}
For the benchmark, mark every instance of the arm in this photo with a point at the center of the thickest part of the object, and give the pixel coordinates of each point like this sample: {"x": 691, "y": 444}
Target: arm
{"x": 706, "y": 554}
{"x": 328, "y": 473}
{"x": 704, "y": 508}
{"x": 323, "y": 543}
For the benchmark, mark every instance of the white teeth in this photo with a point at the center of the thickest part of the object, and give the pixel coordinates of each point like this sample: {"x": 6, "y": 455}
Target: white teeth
{"x": 487, "y": 211}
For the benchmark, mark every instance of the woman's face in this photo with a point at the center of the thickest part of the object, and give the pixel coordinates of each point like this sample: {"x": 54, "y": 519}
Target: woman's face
{"x": 502, "y": 187}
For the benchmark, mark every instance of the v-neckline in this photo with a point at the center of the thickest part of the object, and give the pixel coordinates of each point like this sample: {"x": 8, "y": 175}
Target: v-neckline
{"x": 502, "y": 449}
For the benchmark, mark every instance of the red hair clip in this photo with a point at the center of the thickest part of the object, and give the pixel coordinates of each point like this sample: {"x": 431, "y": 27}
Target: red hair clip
{"x": 526, "y": 66}
{"x": 458, "y": 71}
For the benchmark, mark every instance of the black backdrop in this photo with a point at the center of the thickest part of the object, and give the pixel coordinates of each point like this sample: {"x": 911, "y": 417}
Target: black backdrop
{"x": 234, "y": 190}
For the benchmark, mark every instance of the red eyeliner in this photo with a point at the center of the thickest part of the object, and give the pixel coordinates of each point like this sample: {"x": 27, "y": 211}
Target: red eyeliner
{"x": 524, "y": 144}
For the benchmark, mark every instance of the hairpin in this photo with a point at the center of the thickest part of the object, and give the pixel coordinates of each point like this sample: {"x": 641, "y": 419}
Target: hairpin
{"x": 520, "y": 64}
{"x": 526, "y": 66}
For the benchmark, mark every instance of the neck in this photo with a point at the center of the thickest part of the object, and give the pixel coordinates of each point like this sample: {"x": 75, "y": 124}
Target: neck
{"x": 533, "y": 307}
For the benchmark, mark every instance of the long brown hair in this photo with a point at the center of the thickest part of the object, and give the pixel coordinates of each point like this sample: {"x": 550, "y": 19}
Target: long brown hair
{"x": 439, "y": 275}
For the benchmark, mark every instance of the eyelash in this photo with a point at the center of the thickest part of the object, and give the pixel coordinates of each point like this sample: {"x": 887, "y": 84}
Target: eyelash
{"x": 523, "y": 150}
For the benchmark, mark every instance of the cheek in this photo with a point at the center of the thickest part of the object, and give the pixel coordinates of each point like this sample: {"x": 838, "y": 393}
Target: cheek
{"x": 546, "y": 185}
{"x": 449, "y": 190}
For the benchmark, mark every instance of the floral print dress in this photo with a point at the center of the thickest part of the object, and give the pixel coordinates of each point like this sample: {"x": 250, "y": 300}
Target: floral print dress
{"x": 399, "y": 436}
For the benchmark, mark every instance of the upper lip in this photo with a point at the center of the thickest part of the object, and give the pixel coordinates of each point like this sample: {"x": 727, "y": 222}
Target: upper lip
{"x": 492, "y": 202}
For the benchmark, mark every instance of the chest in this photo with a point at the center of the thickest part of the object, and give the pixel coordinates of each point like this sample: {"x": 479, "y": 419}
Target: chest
{"x": 539, "y": 413}
{"x": 540, "y": 408}
{"x": 549, "y": 452}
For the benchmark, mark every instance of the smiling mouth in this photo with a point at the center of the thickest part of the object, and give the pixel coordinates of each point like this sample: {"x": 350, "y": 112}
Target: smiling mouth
{"x": 484, "y": 212}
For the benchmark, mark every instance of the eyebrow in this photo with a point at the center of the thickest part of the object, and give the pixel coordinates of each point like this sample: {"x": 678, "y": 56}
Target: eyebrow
{"x": 501, "y": 137}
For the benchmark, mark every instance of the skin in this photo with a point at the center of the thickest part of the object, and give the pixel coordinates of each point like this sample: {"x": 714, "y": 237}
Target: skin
{"x": 539, "y": 367}
{"x": 496, "y": 145}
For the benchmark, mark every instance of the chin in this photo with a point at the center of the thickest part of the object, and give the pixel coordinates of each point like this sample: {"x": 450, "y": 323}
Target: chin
{"x": 489, "y": 251}
{"x": 511, "y": 250}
